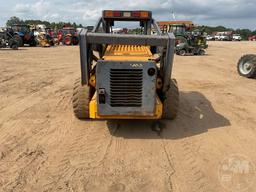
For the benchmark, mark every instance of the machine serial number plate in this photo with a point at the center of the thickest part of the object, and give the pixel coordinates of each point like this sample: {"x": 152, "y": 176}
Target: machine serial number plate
{"x": 136, "y": 65}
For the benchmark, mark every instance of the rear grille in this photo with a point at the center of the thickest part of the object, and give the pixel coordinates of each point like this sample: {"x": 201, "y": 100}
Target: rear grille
{"x": 126, "y": 87}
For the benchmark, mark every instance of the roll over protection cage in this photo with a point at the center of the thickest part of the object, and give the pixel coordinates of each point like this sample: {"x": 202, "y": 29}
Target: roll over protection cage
{"x": 90, "y": 41}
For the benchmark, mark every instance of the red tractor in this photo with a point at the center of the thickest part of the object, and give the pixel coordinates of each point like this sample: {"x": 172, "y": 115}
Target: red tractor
{"x": 68, "y": 36}
{"x": 252, "y": 38}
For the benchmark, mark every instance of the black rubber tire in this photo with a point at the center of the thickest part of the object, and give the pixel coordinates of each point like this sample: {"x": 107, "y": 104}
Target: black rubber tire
{"x": 64, "y": 41}
{"x": 19, "y": 40}
{"x": 33, "y": 43}
{"x": 252, "y": 59}
{"x": 171, "y": 101}
{"x": 14, "y": 46}
{"x": 81, "y": 100}
{"x": 201, "y": 52}
{"x": 75, "y": 40}
{"x": 182, "y": 52}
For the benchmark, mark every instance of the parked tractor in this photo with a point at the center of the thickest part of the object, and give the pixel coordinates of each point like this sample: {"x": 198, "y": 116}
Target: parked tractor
{"x": 68, "y": 36}
{"x": 7, "y": 39}
{"x": 126, "y": 76}
{"x": 252, "y": 38}
{"x": 188, "y": 41}
{"x": 51, "y": 36}
{"x": 246, "y": 66}
{"x": 193, "y": 43}
{"x": 44, "y": 40}
{"x": 24, "y": 35}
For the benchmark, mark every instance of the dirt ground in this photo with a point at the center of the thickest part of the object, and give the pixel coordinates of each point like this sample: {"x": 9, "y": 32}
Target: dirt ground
{"x": 43, "y": 147}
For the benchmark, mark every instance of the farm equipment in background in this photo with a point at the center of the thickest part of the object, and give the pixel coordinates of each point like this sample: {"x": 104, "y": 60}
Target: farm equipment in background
{"x": 39, "y": 29}
{"x": 68, "y": 36}
{"x": 252, "y": 38}
{"x": 191, "y": 43}
{"x": 51, "y": 36}
{"x": 24, "y": 35}
{"x": 246, "y": 66}
{"x": 188, "y": 41}
{"x": 47, "y": 38}
{"x": 126, "y": 76}
{"x": 7, "y": 39}
{"x": 43, "y": 40}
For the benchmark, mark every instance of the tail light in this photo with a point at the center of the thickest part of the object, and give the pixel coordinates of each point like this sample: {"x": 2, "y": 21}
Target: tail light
{"x": 144, "y": 14}
{"x": 108, "y": 14}
{"x": 125, "y": 14}
{"x": 117, "y": 14}
{"x": 136, "y": 14}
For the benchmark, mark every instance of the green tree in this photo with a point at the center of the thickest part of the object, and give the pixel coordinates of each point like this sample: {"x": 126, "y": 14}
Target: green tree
{"x": 53, "y": 25}
{"x": 14, "y": 20}
{"x": 74, "y": 25}
{"x": 245, "y": 33}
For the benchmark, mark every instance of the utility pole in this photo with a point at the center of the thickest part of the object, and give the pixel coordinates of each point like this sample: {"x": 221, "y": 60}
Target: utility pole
{"x": 173, "y": 16}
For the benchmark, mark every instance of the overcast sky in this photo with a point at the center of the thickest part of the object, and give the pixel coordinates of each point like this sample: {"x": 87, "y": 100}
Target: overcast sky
{"x": 230, "y": 13}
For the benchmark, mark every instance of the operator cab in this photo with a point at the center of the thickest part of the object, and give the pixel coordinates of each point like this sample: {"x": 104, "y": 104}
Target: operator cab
{"x": 20, "y": 28}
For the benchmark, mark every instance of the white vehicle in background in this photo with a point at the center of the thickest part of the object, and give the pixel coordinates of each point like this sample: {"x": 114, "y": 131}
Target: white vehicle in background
{"x": 222, "y": 37}
{"x": 40, "y": 29}
{"x": 236, "y": 37}
{"x": 217, "y": 37}
{"x": 210, "y": 38}
{"x": 225, "y": 38}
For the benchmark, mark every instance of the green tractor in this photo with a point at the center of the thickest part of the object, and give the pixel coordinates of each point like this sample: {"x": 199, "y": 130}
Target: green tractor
{"x": 246, "y": 66}
{"x": 7, "y": 39}
{"x": 188, "y": 41}
{"x": 192, "y": 43}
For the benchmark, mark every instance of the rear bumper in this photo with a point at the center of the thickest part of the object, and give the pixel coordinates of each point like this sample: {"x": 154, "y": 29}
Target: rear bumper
{"x": 94, "y": 115}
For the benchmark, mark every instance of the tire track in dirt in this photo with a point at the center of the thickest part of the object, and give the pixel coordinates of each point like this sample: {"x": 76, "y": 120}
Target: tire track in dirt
{"x": 23, "y": 104}
{"x": 189, "y": 171}
{"x": 131, "y": 166}
{"x": 28, "y": 130}
{"x": 171, "y": 166}
{"x": 188, "y": 174}
{"x": 21, "y": 158}
{"x": 83, "y": 150}
{"x": 28, "y": 164}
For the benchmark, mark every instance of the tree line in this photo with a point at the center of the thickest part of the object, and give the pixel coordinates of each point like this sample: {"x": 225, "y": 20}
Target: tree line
{"x": 245, "y": 33}
{"x": 53, "y": 25}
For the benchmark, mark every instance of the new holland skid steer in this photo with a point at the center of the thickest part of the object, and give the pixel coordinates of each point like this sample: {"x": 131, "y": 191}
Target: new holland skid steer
{"x": 126, "y": 76}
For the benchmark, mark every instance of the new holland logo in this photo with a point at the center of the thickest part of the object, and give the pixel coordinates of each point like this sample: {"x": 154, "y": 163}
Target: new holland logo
{"x": 136, "y": 65}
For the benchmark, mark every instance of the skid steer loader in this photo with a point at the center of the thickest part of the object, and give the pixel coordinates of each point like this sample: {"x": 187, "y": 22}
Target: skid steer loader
{"x": 126, "y": 76}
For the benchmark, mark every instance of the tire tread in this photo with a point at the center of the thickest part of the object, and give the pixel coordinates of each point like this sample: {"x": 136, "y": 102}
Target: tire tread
{"x": 171, "y": 101}
{"x": 251, "y": 57}
{"x": 81, "y": 100}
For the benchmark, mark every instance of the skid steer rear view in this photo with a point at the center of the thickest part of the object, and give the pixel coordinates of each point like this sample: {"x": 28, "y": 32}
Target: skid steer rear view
{"x": 126, "y": 76}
